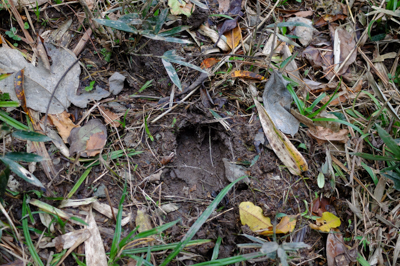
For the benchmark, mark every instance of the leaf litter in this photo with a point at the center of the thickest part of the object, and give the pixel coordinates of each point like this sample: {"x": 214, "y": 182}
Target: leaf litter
{"x": 200, "y": 140}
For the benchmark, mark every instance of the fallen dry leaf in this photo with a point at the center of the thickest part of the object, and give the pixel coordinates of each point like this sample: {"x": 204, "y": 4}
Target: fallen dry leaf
{"x": 94, "y": 248}
{"x": 223, "y": 6}
{"x": 344, "y": 44}
{"x": 286, "y": 225}
{"x": 63, "y": 124}
{"x": 233, "y": 37}
{"x": 253, "y": 217}
{"x": 89, "y": 139}
{"x": 209, "y": 62}
{"x": 181, "y": 7}
{"x": 281, "y": 145}
{"x": 337, "y": 254}
{"x": 322, "y": 135}
{"x": 246, "y": 75}
{"x": 305, "y": 34}
{"x": 110, "y": 117}
{"x": 320, "y": 205}
{"x": 326, "y": 222}
{"x": 320, "y": 58}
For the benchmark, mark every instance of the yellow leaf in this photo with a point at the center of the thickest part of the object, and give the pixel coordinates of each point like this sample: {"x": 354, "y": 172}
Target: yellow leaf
{"x": 233, "y": 37}
{"x": 253, "y": 217}
{"x": 286, "y": 225}
{"x": 181, "y": 7}
{"x": 326, "y": 222}
{"x": 281, "y": 145}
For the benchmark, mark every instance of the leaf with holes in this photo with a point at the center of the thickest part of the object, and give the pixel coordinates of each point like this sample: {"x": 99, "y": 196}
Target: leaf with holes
{"x": 22, "y": 172}
{"x": 326, "y": 222}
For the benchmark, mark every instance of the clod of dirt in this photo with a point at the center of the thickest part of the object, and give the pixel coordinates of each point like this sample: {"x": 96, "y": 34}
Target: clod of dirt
{"x": 197, "y": 18}
{"x": 116, "y": 82}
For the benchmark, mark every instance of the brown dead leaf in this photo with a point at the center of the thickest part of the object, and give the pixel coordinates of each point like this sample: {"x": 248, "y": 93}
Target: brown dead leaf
{"x": 324, "y": 20}
{"x": 320, "y": 58}
{"x": 223, "y": 6}
{"x": 209, "y": 62}
{"x": 42, "y": 52}
{"x": 320, "y": 205}
{"x": 95, "y": 143}
{"x": 110, "y": 117}
{"x": 63, "y": 124}
{"x": 246, "y": 75}
{"x": 323, "y": 135}
{"x": 89, "y": 139}
{"x": 344, "y": 43}
{"x": 302, "y": 14}
{"x": 233, "y": 37}
{"x": 344, "y": 96}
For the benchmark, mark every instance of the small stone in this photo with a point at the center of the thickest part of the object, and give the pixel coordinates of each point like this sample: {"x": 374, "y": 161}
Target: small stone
{"x": 100, "y": 192}
{"x": 116, "y": 82}
{"x": 233, "y": 171}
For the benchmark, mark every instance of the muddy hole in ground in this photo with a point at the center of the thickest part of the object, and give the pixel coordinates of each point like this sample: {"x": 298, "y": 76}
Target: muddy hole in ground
{"x": 198, "y": 168}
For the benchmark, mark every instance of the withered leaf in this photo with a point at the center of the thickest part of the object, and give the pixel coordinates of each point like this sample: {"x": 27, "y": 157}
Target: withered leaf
{"x": 233, "y": 37}
{"x": 226, "y": 26}
{"x": 209, "y": 62}
{"x": 110, "y": 117}
{"x": 89, "y": 139}
{"x": 42, "y": 52}
{"x": 247, "y": 75}
{"x": 323, "y": 135}
{"x": 63, "y": 124}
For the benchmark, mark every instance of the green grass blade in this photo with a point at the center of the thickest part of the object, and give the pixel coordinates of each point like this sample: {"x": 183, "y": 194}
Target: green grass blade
{"x": 27, "y": 236}
{"x": 341, "y": 122}
{"x": 200, "y": 221}
{"x": 389, "y": 141}
{"x": 374, "y": 157}
{"x": 156, "y": 230}
{"x": 12, "y": 122}
{"x": 164, "y": 247}
{"x": 79, "y": 183}
{"x": 29, "y": 135}
{"x": 24, "y": 157}
{"x": 231, "y": 260}
{"x": 9, "y": 104}
{"x": 216, "y": 248}
{"x": 118, "y": 228}
{"x": 370, "y": 172}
